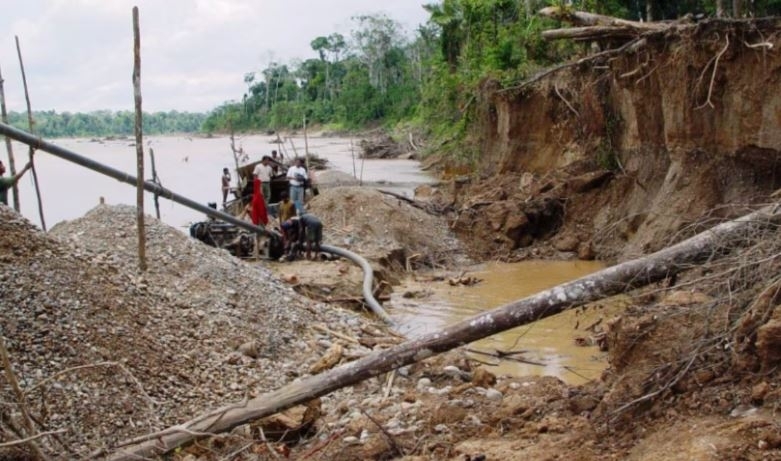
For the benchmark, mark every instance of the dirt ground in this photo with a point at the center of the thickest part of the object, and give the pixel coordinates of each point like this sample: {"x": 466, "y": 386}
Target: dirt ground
{"x": 693, "y": 374}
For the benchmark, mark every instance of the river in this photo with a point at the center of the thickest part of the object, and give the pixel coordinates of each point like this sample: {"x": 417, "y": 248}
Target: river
{"x": 189, "y": 166}
{"x": 192, "y": 166}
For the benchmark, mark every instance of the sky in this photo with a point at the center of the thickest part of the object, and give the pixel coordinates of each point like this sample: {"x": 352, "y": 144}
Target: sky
{"x": 78, "y": 54}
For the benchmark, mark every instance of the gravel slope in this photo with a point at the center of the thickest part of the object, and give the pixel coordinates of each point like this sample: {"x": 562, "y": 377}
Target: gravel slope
{"x": 199, "y": 329}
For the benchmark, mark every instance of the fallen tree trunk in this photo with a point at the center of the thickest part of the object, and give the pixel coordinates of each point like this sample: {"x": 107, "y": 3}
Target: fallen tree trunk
{"x": 590, "y": 33}
{"x": 585, "y": 19}
{"x": 607, "y": 282}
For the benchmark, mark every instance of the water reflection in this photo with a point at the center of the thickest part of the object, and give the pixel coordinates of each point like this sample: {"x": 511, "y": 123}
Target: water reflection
{"x": 546, "y": 347}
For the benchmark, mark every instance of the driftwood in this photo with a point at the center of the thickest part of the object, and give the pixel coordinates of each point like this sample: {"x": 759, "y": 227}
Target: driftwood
{"x": 607, "y": 282}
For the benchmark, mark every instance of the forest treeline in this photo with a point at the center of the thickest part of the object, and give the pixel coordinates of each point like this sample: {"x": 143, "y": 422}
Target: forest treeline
{"x": 381, "y": 75}
{"x": 429, "y": 79}
{"x": 50, "y": 124}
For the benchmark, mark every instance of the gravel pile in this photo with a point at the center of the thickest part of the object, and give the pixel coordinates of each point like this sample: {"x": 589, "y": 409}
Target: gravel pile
{"x": 105, "y": 353}
{"x": 381, "y": 227}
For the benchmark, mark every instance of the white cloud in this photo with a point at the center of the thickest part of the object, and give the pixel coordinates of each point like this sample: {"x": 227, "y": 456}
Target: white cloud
{"x": 78, "y": 54}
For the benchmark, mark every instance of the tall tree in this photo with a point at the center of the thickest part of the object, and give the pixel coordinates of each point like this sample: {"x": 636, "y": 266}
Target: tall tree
{"x": 376, "y": 40}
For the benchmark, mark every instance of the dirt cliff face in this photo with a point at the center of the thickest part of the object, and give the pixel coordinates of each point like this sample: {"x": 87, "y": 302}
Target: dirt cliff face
{"x": 687, "y": 123}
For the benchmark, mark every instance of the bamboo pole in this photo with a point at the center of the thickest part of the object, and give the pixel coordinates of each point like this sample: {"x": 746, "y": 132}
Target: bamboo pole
{"x": 8, "y": 145}
{"x": 155, "y": 180}
{"x": 352, "y": 153}
{"x": 608, "y": 282}
{"x": 139, "y": 143}
{"x": 30, "y": 122}
{"x": 240, "y": 183}
{"x": 306, "y": 147}
{"x": 309, "y": 172}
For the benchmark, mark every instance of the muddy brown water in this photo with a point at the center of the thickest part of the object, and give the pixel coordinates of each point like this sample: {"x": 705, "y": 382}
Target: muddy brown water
{"x": 189, "y": 166}
{"x": 548, "y": 346}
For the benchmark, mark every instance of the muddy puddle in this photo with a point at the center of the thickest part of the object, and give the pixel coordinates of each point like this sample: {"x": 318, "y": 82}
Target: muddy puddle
{"x": 547, "y": 347}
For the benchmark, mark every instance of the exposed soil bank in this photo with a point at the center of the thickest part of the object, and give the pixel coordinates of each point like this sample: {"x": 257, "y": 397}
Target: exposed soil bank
{"x": 627, "y": 152}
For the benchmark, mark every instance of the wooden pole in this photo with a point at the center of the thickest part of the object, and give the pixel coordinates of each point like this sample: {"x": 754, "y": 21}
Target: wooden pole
{"x": 295, "y": 152}
{"x": 8, "y": 145}
{"x": 155, "y": 180}
{"x": 240, "y": 183}
{"x": 309, "y": 172}
{"x": 30, "y": 123}
{"x": 306, "y": 147}
{"x": 608, "y": 282}
{"x": 360, "y": 180}
{"x": 139, "y": 143}
{"x": 352, "y": 154}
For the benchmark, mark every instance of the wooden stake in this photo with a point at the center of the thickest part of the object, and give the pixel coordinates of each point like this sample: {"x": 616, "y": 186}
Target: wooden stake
{"x": 306, "y": 147}
{"x": 352, "y": 153}
{"x": 155, "y": 180}
{"x": 139, "y": 143}
{"x": 8, "y": 146}
{"x": 30, "y": 123}
{"x": 608, "y": 282}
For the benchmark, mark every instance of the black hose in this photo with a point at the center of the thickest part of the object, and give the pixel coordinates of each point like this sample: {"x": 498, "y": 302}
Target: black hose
{"x": 368, "y": 277}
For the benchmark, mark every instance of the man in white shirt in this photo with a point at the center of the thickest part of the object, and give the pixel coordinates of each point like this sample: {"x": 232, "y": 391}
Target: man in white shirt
{"x": 263, "y": 171}
{"x": 297, "y": 175}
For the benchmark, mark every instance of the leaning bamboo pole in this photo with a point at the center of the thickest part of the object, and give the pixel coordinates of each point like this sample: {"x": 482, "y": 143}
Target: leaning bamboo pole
{"x": 139, "y": 143}
{"x": 611, "y": 281}
{"x": 30, "y": 122}
{"x": 155, "y": 180}
{"x": 8, "y": 145}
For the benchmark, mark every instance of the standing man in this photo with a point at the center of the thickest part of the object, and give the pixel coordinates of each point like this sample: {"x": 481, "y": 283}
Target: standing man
{"x": 226, "y": 184}
{"x": 263, "y": 172}
{"x": 296, "y": 174}
{"x": 7, "y": 183}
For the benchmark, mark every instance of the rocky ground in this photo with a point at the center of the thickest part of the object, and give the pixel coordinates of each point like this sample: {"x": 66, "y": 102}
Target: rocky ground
{"x": 103, "y": 354}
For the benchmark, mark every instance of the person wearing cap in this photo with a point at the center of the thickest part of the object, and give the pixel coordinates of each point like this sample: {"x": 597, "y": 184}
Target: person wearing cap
{"x": 7, "y": 183}
{"x": 263, "y": 172}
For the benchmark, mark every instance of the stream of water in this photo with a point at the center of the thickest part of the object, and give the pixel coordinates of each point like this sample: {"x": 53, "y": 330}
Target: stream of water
{"x": 547, "y": 347}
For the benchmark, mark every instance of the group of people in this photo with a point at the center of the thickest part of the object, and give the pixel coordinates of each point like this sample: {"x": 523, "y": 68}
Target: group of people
{"x": 302, "y": 232}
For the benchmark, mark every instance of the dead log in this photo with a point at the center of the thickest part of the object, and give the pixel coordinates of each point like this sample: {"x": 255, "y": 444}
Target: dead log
{"x": 608, "y": 282}
{"x": 590, "y": 33}
{"x": 585, "y": 19}
{"x": 428, "y": 208}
